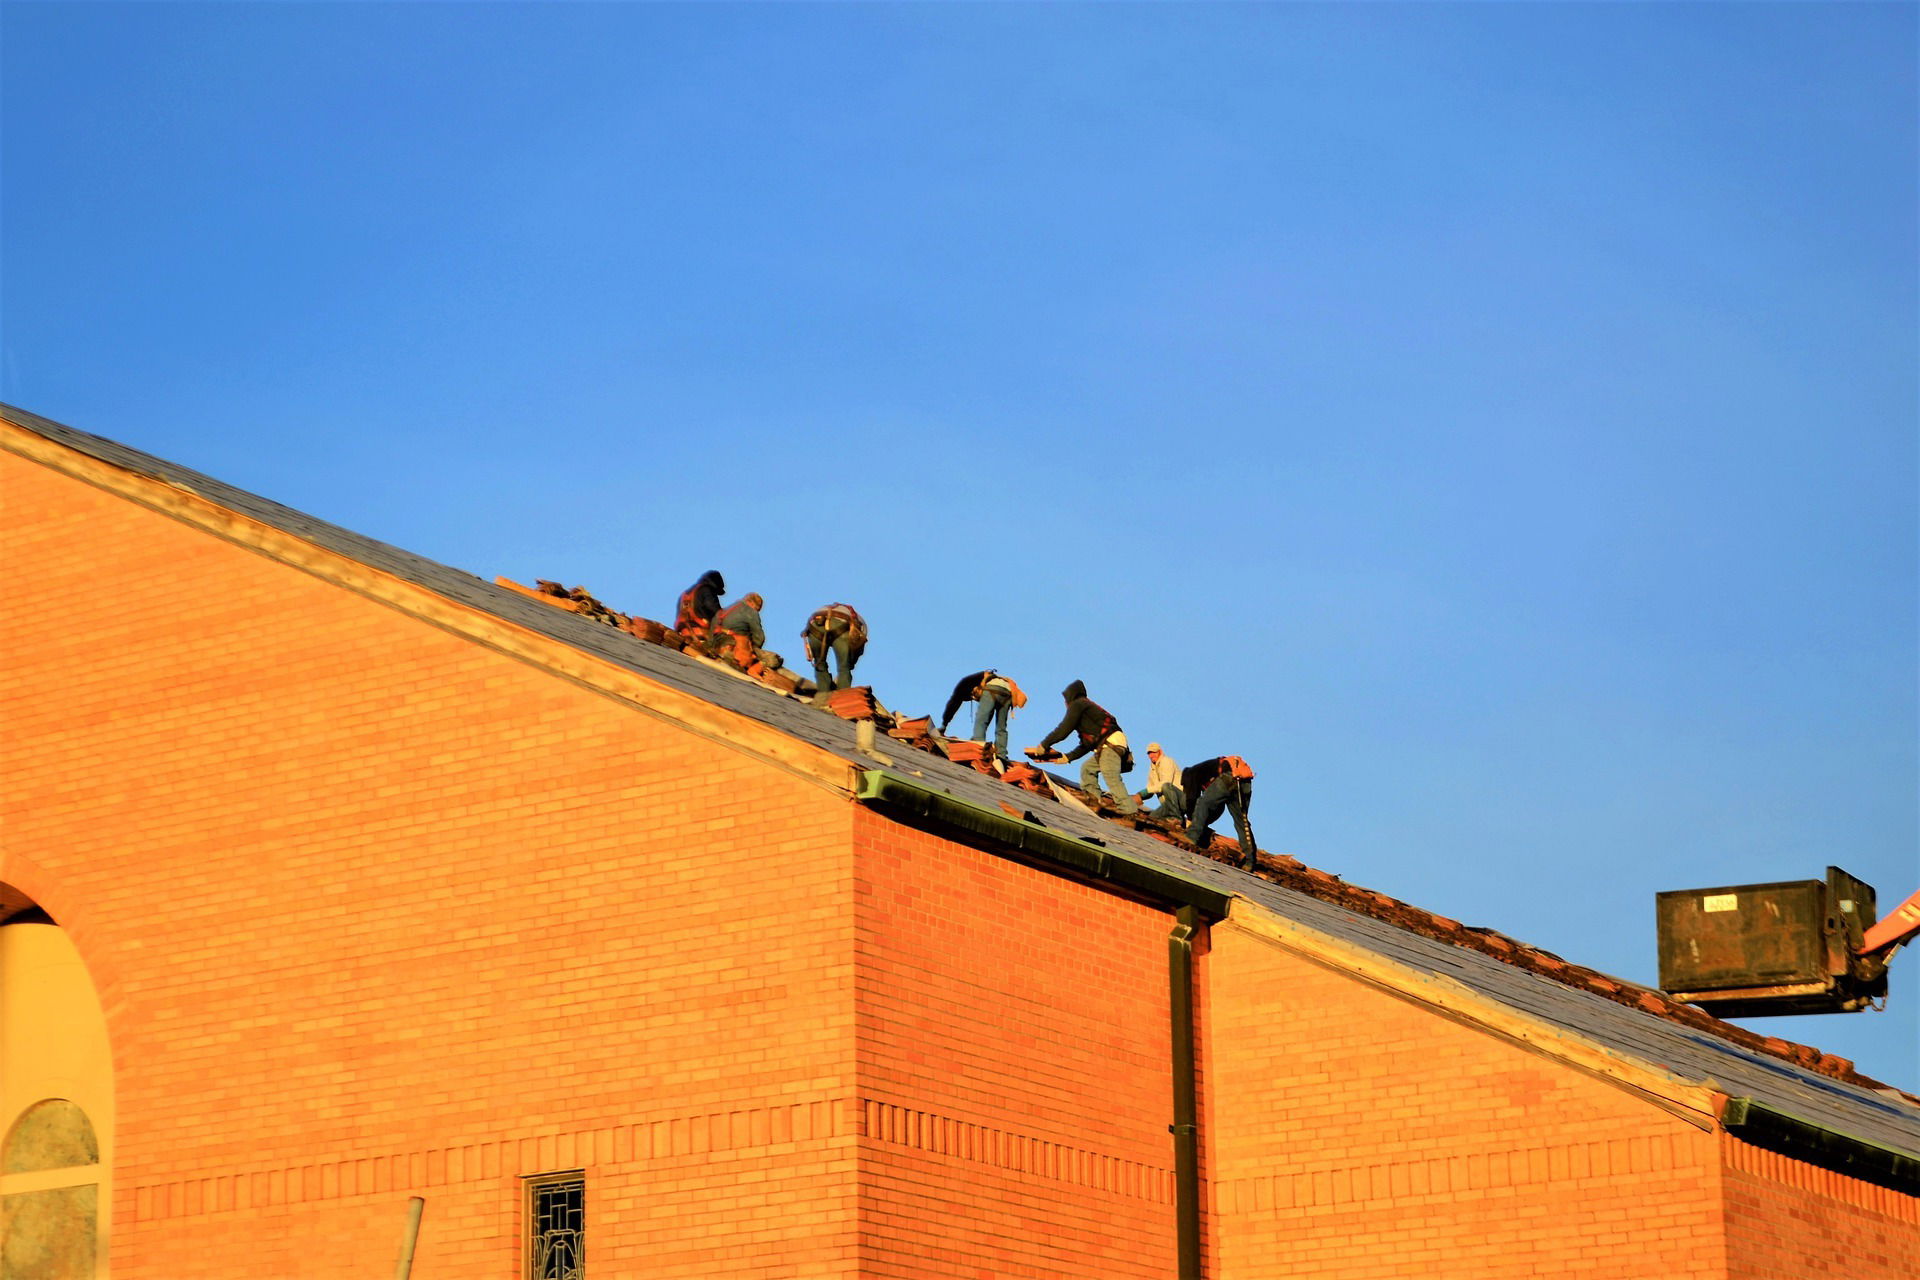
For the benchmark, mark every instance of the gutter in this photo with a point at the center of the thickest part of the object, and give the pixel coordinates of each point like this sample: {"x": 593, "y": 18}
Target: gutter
{"x": 916, "y": 802}
{"x": 1194, "y": 903}
{"x": 1756, "y": 1123}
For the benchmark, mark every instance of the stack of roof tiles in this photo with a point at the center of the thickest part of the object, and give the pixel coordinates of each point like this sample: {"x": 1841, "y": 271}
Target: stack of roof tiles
{"x": 853, "y": 704}
{"x": 1028, "y": 778}
{"x": 967, "y": 751}
{"x": 916, "y": 732}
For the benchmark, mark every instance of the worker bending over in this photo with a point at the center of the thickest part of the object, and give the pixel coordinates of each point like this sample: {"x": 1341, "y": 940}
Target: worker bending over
{"x": 1222, "y": 783}
{"x": 838, "y": 629}
{"x": 693, "y": 617}
{"x": 739, "y": 635}
{"x": 1163, "y": 781}
{"x": 1101, "y": 742}
{"x": 998, "y": 698}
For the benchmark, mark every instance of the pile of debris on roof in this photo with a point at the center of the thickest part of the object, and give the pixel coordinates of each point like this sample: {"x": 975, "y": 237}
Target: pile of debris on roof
{"x": 859, "y": 704}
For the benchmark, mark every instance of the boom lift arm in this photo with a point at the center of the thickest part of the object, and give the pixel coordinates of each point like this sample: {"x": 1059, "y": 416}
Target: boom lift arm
{"x": 1895, "y": 928}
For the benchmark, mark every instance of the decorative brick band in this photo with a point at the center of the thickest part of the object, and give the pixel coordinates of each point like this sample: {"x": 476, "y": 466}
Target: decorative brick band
{"x": 1021, "y": 1153}
{"x": 1443, "y": 1175}
{"x": 663, "y": 1139}
{"x": 1744, "y": 1157}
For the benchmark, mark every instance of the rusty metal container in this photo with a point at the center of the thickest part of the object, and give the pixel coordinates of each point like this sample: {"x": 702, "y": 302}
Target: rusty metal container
{"x": 1765, "y": 949}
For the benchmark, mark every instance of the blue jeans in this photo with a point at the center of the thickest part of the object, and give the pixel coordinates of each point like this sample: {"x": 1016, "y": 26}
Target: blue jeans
{"x": 1225, "y": 793}
{"x": 842, "y": 647}
{"x": 1106, "y": 762}
{"x": 1172, "y": 803}
{"x": 995, "y": 706}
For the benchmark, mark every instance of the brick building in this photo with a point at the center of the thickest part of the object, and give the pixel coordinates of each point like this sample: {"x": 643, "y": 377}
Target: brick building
{"x": 332, "y": 876}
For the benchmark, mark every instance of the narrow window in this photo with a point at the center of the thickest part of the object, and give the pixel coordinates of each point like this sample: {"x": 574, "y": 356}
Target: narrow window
{"x": 53, "y": 1228}
{"x": 557, "y": 1226}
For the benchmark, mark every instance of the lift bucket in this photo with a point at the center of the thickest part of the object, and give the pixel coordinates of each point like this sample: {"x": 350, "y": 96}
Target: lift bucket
{"x": 1759, "y": 950}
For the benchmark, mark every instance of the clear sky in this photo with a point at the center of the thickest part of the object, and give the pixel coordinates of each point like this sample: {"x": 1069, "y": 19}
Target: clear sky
{"x": 1497, "y": 422}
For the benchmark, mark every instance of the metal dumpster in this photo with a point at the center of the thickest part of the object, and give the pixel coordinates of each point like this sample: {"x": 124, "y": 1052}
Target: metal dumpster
{"x": 1757, "y": 950}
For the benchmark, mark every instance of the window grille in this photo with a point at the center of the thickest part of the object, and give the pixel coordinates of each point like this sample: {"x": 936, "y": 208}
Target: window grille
{"x": 556, "y": 1227}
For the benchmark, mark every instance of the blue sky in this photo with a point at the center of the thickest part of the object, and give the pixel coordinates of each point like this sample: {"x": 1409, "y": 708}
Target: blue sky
{"x": 1496, "y": 422}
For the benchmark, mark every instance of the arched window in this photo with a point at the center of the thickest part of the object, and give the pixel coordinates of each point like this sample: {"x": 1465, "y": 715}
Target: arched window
{"x": 56, "y": 1106}
{"x": 54, "y": 1134}
{"x": 51, "y": 1231}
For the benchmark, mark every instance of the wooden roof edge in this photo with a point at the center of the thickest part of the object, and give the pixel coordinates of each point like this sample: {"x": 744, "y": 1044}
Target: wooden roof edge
{"x": 688, "y": 711}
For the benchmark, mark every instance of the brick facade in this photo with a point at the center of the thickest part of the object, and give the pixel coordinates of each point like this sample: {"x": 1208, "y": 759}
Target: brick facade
{"x": 1356, "y": 1134}
{"x": 1787, "y": 1220}
{"x": 1015, "y": 1054}
{"x": 376, "y": 910}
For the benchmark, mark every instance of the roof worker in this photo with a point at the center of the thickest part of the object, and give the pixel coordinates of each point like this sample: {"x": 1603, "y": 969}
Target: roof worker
{"x": 838, "y": 629}
{"x": 739, "y": 635}
{"x": 1223, "y": 783}
{"x": 1163, "y": 781}
{"x": 693, "y": 617}
{"x": 1101, "y": 742}
{"x": 997, "y": 697}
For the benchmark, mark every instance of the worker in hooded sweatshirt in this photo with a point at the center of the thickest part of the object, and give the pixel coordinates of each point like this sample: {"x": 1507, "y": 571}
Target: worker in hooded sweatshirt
{"x": 1222, "y": 783}
{"x": 1101, "y": 742}
{"x": 998, "y": 698}
{"x": 840, "y": 630}
{"x": 693, "y": 617}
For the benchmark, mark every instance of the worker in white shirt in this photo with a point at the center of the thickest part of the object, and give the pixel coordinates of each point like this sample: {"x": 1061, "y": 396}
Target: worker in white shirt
{"x": 1163, "y": 781}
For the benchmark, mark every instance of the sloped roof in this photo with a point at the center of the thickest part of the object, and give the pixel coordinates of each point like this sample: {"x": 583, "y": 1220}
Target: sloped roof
{"x": 1621, "y": 1018}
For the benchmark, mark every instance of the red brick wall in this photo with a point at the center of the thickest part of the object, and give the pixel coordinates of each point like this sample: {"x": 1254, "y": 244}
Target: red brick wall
{"x": 1356, "y": 1135}
{"x": 1015, "y": 1061}
{"x": 376, "y": 911}
{"x": 1787, "y": 1220}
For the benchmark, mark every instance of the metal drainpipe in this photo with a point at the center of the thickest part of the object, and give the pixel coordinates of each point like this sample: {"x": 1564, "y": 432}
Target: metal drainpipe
{"x": 1186, "y": 1111}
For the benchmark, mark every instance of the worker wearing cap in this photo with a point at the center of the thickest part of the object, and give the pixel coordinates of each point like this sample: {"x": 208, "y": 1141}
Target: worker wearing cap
{"x": 1163, "y": 781}
{"x": 739, "y": 634}
{"x": 840, "y": 630}
{"x": 1224, "y": 783}
{"x": 1101, "y": 742}
{"x": 693, "y": 616}
{"x": 996, "y": 698}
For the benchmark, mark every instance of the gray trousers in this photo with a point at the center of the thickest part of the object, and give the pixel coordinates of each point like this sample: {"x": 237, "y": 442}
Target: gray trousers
{"x": 1105, "y": 761}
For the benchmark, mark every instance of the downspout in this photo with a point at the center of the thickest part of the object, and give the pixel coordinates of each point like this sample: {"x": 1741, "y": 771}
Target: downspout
{"x": 1186, "y": 1110}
